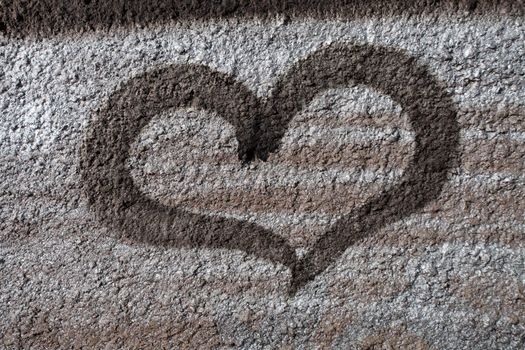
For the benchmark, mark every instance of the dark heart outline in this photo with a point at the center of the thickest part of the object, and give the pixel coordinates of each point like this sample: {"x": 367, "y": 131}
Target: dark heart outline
{"x": 259, "y": 127}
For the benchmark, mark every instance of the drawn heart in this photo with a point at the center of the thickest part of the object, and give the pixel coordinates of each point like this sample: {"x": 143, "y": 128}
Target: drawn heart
{"x": 259, "y": 128}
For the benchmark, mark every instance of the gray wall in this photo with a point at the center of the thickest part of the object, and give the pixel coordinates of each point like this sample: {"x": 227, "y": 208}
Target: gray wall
{"x": 446, "y": 272}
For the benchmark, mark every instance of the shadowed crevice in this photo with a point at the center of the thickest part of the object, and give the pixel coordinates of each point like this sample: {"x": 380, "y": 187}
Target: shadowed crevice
{"x": 50, "y": 17}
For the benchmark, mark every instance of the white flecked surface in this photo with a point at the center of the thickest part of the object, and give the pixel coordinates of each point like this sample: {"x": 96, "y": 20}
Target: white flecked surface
{"x": 451, "y": 277}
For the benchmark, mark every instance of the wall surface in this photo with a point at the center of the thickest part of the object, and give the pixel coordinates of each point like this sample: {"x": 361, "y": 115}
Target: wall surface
{"x": 262, "y": 175}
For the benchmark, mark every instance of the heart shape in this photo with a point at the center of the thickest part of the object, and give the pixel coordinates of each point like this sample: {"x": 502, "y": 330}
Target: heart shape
{"x": 259, "y": 127}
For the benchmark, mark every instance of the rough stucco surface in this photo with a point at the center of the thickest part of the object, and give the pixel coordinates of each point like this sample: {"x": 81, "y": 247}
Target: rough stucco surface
{"x": 446, "y": 274}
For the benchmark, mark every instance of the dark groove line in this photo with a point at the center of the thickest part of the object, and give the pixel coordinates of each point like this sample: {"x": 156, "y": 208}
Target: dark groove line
{"x": 49, "y": 17}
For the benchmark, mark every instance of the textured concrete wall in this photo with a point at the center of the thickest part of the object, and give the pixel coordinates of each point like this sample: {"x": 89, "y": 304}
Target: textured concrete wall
{"x": 262, "y": 175}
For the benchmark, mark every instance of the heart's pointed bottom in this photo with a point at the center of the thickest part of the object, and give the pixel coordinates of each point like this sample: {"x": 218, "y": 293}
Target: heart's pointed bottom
{"x": 252, "y": 154}
{"x": 247, "y": 156}
{"x": 301, "y": 275}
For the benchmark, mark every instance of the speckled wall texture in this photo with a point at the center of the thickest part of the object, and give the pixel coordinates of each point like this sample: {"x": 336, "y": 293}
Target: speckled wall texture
{"x": 262, "y": 175}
